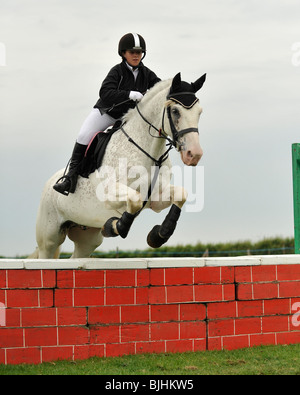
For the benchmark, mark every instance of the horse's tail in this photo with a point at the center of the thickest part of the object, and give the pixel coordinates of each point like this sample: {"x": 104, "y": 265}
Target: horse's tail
{"x": 35, "y": 254}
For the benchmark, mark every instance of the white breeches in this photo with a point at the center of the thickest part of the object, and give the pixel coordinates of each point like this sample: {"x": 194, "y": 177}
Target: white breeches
{"x": 95, "y": 122}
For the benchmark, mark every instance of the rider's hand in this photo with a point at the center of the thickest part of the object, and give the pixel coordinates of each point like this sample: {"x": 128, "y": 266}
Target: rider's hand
{"x": 135, "y": 96}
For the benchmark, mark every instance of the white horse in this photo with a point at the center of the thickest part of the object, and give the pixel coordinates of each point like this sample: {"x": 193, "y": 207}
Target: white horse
{"x": 133, "y": 176}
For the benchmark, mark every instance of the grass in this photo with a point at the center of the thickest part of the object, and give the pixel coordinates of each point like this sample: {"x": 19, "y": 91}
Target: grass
{"x": 267, "y": 360}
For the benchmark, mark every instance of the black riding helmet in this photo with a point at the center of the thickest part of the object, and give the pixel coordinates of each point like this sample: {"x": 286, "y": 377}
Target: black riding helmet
{"x": 132, "y": 42}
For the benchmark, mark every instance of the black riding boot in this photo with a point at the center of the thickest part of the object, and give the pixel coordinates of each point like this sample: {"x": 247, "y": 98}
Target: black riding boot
{"x": 67, "y": 183}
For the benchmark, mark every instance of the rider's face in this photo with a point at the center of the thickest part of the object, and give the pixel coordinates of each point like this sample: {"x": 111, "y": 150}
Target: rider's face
{"x": 133, "y": 57}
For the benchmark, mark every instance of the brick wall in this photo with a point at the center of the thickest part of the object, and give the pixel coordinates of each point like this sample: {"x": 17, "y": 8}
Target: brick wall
{"x": 76, "y": 310}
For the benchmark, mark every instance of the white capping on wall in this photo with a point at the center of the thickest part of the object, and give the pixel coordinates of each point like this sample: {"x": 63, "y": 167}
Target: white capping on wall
{"x": 146, "y": 263}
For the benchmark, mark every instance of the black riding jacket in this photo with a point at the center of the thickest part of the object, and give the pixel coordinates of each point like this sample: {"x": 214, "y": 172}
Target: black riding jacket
{"x": 114, "y": 92}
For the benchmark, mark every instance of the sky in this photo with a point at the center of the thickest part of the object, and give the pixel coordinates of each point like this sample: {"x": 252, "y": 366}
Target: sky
{"x": 57, "y": 53}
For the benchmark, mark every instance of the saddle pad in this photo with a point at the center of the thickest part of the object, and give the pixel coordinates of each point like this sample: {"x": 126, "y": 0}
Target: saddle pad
{"x": 95, "y": 153}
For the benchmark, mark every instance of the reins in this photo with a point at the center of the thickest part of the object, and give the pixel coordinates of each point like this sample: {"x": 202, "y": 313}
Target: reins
{"x": 173, "y": 143}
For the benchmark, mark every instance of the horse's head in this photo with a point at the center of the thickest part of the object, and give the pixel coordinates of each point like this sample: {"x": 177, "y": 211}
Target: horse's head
{"x": 183, "y": 111}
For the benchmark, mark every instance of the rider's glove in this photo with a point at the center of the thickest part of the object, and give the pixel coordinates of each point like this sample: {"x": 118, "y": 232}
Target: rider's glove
{"x": 135, "y": 96}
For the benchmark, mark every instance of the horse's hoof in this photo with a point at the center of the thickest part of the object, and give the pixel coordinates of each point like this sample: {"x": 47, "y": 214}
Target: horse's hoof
{"x": 154, "y": 240}
{"x": 108, "y": 229}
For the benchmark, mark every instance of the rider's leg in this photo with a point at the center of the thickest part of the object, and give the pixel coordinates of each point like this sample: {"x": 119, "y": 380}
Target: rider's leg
{"x": 94, "y": 123}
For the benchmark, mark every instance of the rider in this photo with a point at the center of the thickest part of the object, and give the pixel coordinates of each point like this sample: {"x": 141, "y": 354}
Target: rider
{"x": 125, "y": 84}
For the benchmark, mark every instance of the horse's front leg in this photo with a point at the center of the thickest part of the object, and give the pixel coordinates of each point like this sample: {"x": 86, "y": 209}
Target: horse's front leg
{"x": 115, "y": 226}
{"x": 160, "y": 234}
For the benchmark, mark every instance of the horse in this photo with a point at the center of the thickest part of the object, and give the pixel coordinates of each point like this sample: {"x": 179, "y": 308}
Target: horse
{"x": 135, "y": 175}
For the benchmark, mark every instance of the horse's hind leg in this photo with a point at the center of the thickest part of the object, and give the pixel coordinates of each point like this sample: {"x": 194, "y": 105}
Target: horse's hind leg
{"x": 86, "y": 240}
{"x": 49, "y": 237}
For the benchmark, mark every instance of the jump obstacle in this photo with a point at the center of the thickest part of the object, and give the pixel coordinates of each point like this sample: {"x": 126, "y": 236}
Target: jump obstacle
{"x": 76, "y": 309}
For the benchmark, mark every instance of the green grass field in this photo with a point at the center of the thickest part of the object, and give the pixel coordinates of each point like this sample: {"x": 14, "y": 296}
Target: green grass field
{"x": 270, "y": 360}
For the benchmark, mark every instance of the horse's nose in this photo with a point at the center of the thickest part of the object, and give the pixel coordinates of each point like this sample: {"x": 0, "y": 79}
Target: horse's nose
{"x": 193, "y": 158}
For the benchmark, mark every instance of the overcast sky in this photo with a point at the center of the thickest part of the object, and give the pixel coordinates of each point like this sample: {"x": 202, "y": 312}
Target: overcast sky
{"x": 59, "y": 51}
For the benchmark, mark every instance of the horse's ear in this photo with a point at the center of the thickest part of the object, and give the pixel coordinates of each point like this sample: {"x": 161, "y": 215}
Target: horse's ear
{"x": 176, "y": 83}
{"x": 197, "y": 85}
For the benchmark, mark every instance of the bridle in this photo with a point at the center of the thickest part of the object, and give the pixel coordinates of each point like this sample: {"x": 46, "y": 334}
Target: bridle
{"x": 172, "y": 142}
{"x": 176, "y": 134}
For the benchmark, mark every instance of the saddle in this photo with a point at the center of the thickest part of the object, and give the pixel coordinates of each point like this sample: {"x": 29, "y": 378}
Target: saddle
{"x": 95, "y": 151}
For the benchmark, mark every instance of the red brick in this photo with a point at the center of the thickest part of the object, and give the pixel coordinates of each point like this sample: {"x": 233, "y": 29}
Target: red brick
{"x": 243, "y": 274}
{"x": 250, "y": 308}
{"x": 120, "y": 296}
{"x": 89, "y": 278}
{"x": 104, "y": 334}
{"x": 116, "y": 350}
{"x": 18, "y": 356}
{"x": 207, "y": 275}
{"x": 65, "y": 278}
{"x": 89, "y": 351}
{"x": 37, "y": 337}
{"x": 104, "y": 315}
{"x": 264, "y": 273}
{"x": 235, "y": 342}
{"x": 275, "y": 324}
{"x": 220, "y": 328}
{"x": 157, "y": 295}
{"x": 192, "y": 330}
{"x": 11, "y": 337}
{"x": 2, "y": 278}
{"x": 179, "y": 276}
{"x": 2, "y": 356}
{"x": 134, "y": 332}
{"x": 131, "y": 314}
{"x": 88, "y": 297}
{"x": 142, "y": 295}
{"x": 71, "y": 316}
{"x": 143, "y": 277}
{"x": 276, "y": 306}
{"x": 245, "y": 326}
{"x": 179, "y": 346}
{"x": 13, "y": 317}
{"x": 192, "y": 312}
{"x": 38, "y": 317}
{"x": 263, "y": 339}
{"x": 221, "y": 310}
{"x": 57, "y": 353}
{"x": 288, "y": 338}
{"x": 289, "y": 289}
{"x": 64, "y": 297}
{"x": 120, "y": 278}
{"x": 288, "y": 272}
{"x": 180, "y": 294}
{"x": 150, "y": 347}
{"x": 69, "y": 335}
{"x": 165, "y": 331}
{"x": 163, "y": 312}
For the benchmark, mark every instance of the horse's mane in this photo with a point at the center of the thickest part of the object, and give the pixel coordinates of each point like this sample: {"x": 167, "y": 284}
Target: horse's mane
{"x": 156, "y": 89}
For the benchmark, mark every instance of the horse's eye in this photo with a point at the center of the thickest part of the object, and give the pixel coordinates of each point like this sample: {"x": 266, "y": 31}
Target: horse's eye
{"x": 176, "y": 112}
